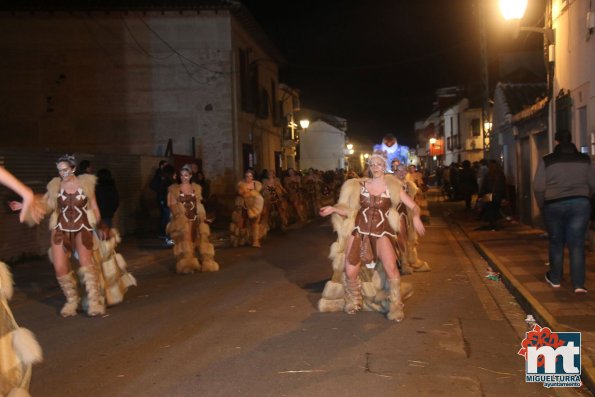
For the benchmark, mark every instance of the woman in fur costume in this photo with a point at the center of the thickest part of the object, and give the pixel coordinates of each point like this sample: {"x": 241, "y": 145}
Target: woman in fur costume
{"x": 293, "y": 184}
{"x": 366, "y": 221}
{"x": 420, "y": 196}
{"x": 74, "y": 215}
{"x": 275, "y": 203}
{"x": 407, "y": 240}
{"x": 19, "y": 349}
{"x": 188, "y": 227}
{"x": 246, "y": 219}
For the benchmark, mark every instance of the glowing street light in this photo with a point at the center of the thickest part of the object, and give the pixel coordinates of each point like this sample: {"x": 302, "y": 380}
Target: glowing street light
{"x": 304, "y": 123}
{"x": 513, "y": 9}
{"x": 350, "y": 146}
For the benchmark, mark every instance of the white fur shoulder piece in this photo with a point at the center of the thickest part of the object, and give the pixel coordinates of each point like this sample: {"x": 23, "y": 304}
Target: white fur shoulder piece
{"x": 6, "y": 283}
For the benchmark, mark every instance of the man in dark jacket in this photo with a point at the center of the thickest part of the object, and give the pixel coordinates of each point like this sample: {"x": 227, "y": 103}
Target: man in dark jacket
{"x": 563, "y": 184}
{"x": 159, "y": 184}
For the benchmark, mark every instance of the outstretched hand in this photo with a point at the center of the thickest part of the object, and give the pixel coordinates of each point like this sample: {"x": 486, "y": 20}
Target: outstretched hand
{"x": 29, "y": 207}
{"x": 419, "y": 226}
{"x": 326, "y": 210}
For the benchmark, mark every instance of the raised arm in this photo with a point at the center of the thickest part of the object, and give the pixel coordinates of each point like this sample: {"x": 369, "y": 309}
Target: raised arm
{"x": 27, "y": 206}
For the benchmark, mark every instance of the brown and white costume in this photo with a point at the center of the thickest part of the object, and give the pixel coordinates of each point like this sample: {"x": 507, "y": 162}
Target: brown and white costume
{"x": 275, "y": 205}
{"x": 189, "y": 231}
{"x": 410, "y": 262}
{"x": 368, "y": 218}
{"x": 105, "y": 280}
{"x": 19, "y": 349}
{"x": 293, "y": 186}
{"x": 246, "y": 221}
{"x": 420, "y": 197}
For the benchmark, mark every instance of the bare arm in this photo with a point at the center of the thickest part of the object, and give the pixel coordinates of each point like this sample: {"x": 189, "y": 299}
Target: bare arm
{"x": 417, "y": 223}
{"x": 10, "y": 181}
{"x": 329, "y": 209}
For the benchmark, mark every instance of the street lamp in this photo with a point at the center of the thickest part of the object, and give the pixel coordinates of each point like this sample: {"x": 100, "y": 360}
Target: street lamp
{"x": 514, "y": 10}
{"x": 304, "y": 123}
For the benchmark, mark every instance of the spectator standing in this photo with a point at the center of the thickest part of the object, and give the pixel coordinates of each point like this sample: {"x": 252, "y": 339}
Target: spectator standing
{"x": 482, "y": 171}
{"x": 467, "y": 183}
{"x": 107, "y": 196}
{"x": 563, "y": 184}
{"x": 84, "y": 168}
{"x": 163, "y": 178}
{"x": 492, "y": 193}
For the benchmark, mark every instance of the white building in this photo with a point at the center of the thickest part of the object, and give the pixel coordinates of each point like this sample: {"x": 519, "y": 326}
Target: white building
{"x": 322, "y": 147}
{"x": 462, "y": 133}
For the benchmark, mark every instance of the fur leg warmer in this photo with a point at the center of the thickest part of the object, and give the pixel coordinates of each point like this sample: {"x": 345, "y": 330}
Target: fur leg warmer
{"x": 70, "y": 290}
{"x": 417, "y": 265}
{"x": 206, "y": 249}
{"x": 95, "y": 296}
{"x": 396, "y": 311}
{"x": 353, "y": 295}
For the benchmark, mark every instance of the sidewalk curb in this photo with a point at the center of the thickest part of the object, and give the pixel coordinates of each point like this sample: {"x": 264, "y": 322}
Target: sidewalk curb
{"x": 530, "y": 304}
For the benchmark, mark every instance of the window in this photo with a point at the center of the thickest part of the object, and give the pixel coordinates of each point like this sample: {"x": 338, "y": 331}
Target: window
{"x": 475, "y": 127}
{"x": 248, "y": 83}
{"x": 448, "y": 143}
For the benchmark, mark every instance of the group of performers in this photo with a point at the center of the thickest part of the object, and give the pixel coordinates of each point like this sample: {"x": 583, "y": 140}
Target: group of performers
{"x": 377, "y": 220}
{"x": 274, "y": 203}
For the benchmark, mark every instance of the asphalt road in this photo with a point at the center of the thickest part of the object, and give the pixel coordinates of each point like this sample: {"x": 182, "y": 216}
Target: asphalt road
{"x": 252, "y": 329}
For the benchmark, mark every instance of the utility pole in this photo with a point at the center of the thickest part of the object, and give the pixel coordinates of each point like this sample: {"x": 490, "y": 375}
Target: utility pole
{"x": 485, "y": 86}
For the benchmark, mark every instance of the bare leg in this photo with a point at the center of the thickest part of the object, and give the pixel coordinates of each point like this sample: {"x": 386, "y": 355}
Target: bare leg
{"x": 65, "y": 278}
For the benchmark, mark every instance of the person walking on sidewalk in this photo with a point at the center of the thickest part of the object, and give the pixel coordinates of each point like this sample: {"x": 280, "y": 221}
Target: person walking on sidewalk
{"x": 563, "y": 184}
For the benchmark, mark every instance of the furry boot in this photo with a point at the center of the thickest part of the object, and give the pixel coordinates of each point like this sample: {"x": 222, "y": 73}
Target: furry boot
{"x": 353, "y": 295}
{"x": 417, "y": 265}
{"x": 70, "y": 290}
{"x": 255, "y": 234}
{"x": 396, "y": 302}
{"x": 95, "y": 299}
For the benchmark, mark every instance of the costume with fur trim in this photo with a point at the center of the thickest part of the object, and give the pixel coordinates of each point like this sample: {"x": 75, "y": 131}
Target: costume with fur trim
{"x": 274, "y": 212}
{"x": 106, "y": 279}
{"x": 420, "y": 197}
{"x": 246, "y": 220}
{"x": 189, "y": 231}
{"x": 19, "y": 349}
{"x": 294, "y": 191}
{"x": 409, "y": 259}
{"x": 375, "y": 286}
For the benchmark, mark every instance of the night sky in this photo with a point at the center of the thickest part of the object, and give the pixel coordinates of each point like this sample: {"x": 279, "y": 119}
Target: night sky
{"x": 378, "y": 63}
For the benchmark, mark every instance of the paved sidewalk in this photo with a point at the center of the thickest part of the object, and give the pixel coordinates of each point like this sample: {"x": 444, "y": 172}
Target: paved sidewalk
{"x": 520, "y": 254}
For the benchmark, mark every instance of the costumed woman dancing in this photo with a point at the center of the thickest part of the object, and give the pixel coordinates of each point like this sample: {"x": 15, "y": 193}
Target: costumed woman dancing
{"x": 74, "y": 214}
{"x": 367, "y": 222}
{"x": 275, "y": 204}
{"x": 18, "y": 348}
{"x": 246, "y": 218}
{"x": 188, "y": 227}
{"x": 407, "y": 240}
